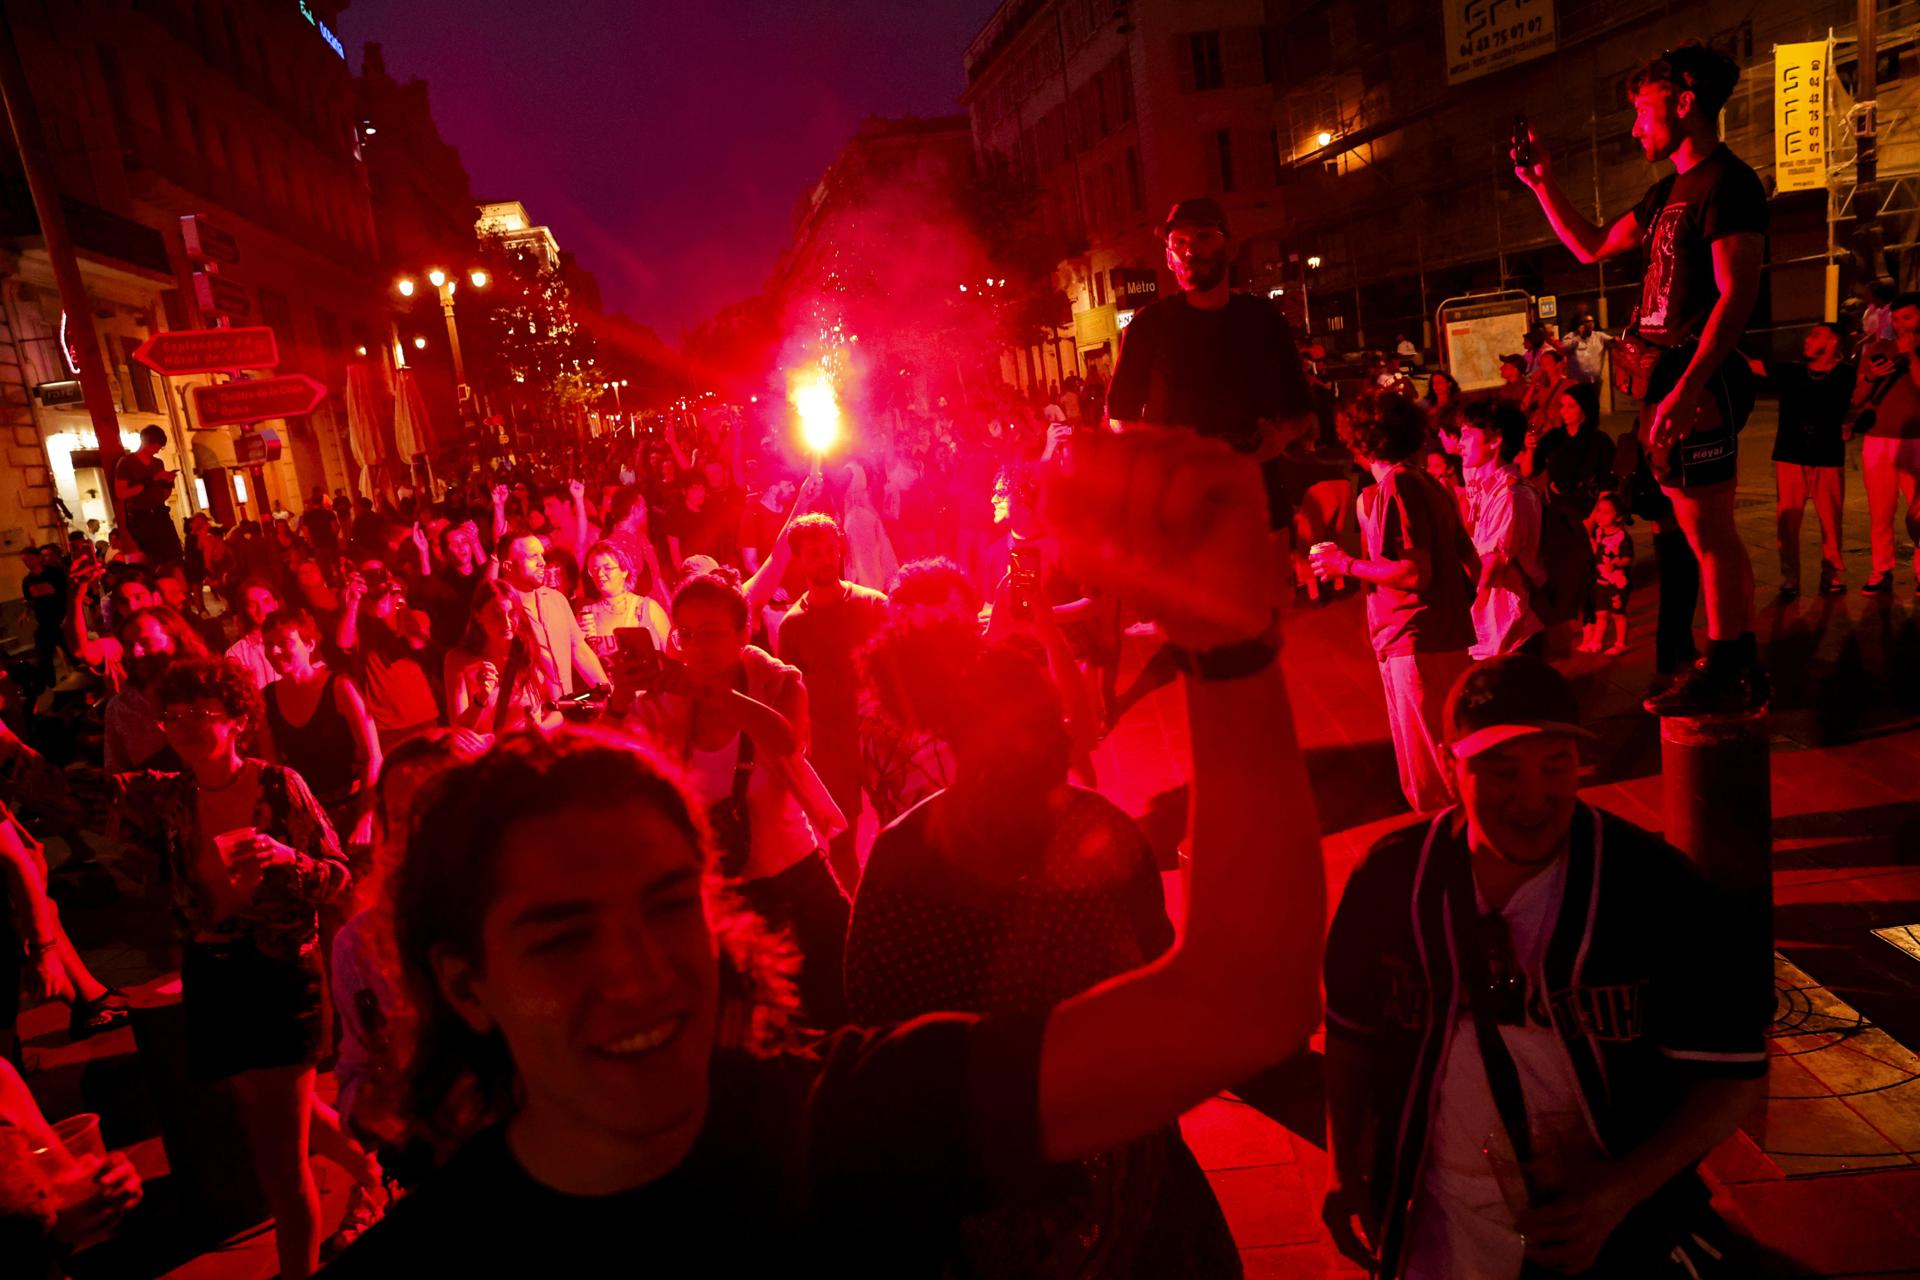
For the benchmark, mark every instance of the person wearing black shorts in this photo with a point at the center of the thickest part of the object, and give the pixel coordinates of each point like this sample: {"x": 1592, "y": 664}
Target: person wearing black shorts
{"x": 1703, "y": 231}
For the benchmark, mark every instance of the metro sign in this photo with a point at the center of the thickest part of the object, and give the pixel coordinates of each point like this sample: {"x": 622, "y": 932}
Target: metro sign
{"x": 221, "y": 296}
{"x": 209, "y": 350}
{"x": 288, "y": 396}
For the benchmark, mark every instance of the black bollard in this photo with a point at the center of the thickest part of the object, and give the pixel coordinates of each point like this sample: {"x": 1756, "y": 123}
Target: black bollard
{"x": 1719, "y": 812}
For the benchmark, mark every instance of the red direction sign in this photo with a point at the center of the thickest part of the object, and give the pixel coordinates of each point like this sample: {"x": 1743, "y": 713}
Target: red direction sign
{"x": 209, "y": 350}
{"x": 207, "y": 243}
{"x": 221, "y": 296}
{"x": 287, "y": 396}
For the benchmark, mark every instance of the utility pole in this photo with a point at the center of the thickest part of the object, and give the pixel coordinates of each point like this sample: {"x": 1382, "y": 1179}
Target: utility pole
{"x": 24, "y": 117}
{"x": 1866, "y": 195}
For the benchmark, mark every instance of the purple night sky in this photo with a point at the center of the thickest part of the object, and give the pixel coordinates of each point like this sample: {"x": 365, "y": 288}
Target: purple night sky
{"x": 666, "y": 144}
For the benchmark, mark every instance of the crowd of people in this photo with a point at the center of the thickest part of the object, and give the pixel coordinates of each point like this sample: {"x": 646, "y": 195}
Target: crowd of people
{"x": 531, "y": 803}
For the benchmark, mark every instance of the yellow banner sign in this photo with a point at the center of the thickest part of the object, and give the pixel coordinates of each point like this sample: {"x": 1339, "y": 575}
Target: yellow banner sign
{"x": 1484, "y": 36}
{"x": 1800, "y": 116}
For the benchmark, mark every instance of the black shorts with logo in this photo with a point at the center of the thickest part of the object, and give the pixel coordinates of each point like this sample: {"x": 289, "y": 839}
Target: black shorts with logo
{"x": 1710, "y": 453}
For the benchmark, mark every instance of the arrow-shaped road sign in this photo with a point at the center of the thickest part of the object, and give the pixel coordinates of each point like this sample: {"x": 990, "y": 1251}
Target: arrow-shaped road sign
{"x": 209, "y": 350}
{"x": 288, "y": 396}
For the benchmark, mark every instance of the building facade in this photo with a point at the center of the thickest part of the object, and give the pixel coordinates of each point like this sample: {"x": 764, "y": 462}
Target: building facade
{"x": 242, "y": 112}
{"x": 1360, "y": 146}
{"x": 423, "y": 203}
{"x": 1115, "y": 111}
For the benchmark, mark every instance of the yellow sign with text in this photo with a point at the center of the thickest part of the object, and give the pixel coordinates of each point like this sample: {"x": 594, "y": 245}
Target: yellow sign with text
{"x": 1800, "y": 116}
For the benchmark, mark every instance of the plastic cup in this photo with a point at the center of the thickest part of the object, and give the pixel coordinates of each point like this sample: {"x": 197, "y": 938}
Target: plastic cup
{"x": 80, "y": 1135}
{"x": 228, "y": 843}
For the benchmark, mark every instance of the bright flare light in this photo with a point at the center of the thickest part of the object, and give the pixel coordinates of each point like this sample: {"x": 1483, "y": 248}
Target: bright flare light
{"x": 479, "y": 279}
{"x": 1324, "y": 138}
{"x": 436, "y": 277}
{"x": 813, "y": 399}
{"x": 405, "y": 286}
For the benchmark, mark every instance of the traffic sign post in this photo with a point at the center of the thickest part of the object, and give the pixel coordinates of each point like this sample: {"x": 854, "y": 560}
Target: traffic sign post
{"x": 184, "y": 351}
{"x": 207, "y": 243}
{"x": 219, "y": 296}
{"x": 288, "y": 396}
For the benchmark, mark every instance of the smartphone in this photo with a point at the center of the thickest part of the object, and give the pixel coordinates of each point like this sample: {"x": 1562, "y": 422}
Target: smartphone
{"x": 640, "y": 654}
{"x": 1522, "y": 143}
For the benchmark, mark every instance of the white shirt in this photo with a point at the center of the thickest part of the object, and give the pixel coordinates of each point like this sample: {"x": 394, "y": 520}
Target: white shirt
{"x": 250, "y": 651}
{"x": 1504, "y": 517}
{"x": 1585, "y": 354}
{"x": 1462, "y": 1226}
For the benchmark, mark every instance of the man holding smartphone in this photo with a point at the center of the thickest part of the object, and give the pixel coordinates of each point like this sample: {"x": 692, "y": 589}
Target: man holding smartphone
{"x": 144, "y": 488}
{"x": 1703, "y": 230}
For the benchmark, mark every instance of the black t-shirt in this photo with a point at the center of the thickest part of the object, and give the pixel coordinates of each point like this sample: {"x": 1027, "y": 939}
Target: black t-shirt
{"x": 1813, "y": 408}
{"x": 143, "y": 472}
{"x": 45, "y": 590}
{"x": 862, "y": 1158}
{"x": 1680, "y": 217}
{"x": 1577, "y": 467}
{"x": 1218, "y": 372}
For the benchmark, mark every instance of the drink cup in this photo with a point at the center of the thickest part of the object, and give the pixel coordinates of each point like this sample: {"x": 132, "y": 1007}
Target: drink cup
{"x": 1317, "y": 554}
{"x": 229, "y": 843}
{"x": 80, "y": 1135}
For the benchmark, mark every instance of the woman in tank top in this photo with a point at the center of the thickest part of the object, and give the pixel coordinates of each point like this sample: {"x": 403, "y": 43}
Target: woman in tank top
{"x": 318, "y": 725}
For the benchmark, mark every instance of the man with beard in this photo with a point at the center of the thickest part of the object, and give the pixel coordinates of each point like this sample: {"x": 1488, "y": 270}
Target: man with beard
{"x": 551, "y": 625}
{"x": 820, "y": 635}
{"x": 1211, "y": 360}
{"x": 1703, "y": 230}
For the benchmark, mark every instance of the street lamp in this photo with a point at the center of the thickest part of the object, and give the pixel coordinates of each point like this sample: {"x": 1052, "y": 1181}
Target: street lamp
{"x": 478, "y": 278}
{"x": 1323, "y": 138}
{"x": 419, "y": 344}
{"x": 446, "y": 285}
{"x": 436, "y": 277}
{"x": 405, "y": 286}
{"x": 1312, "y": 263}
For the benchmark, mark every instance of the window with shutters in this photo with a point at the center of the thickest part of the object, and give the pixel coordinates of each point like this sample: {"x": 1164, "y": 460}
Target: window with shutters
{"x": 116, "y": 92}
{"x": 1204, "y": 50}
{"x": 139, "y": 378}
{"x": 1220, "y": 161}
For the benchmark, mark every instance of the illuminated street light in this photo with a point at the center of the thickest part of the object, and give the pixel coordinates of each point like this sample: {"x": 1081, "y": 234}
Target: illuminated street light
{"x": 419, "y": 344}
{"x": 405, "y": 286}
{"x": 1323, "y": 138}
{"x": 1314, "y": 262}
{"x": 478, "y": 277}
{"x": 362, "y": 349}
{"x": 436, "y": 277}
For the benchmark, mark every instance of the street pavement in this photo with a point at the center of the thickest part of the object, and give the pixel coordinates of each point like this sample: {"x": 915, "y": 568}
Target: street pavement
{"x": 1827, "y": 1184}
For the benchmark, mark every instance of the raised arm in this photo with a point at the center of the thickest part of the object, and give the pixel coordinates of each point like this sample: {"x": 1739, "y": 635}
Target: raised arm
{"x": 1181, "y": 524}
{"x": 1588, "y": 242}
{"x": 760, "y": 587}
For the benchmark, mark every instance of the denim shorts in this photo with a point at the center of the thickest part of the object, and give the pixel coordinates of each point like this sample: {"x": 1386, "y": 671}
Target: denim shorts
{"x": 1710, "y": 453}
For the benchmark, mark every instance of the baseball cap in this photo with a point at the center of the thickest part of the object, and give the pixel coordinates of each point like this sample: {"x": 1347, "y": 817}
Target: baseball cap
{"x": 1196, "y": 212}
{"x": 1513, "y": 696}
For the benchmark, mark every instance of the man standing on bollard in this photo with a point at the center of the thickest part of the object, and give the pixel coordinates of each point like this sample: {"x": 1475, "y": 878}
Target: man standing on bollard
{"x": 1702, "y": 228}
{"x": 144, "y": 488}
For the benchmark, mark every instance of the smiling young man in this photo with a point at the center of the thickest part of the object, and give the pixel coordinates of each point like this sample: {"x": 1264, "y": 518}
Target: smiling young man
{"x": 1703, "y": 231}
{"x": 1531, "y": 1003}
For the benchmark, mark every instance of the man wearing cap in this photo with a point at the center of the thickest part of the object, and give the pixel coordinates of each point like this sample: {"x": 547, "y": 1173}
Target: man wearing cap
{"x": 1543, "y": 1015}
{"x": 1217, "y": 362}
